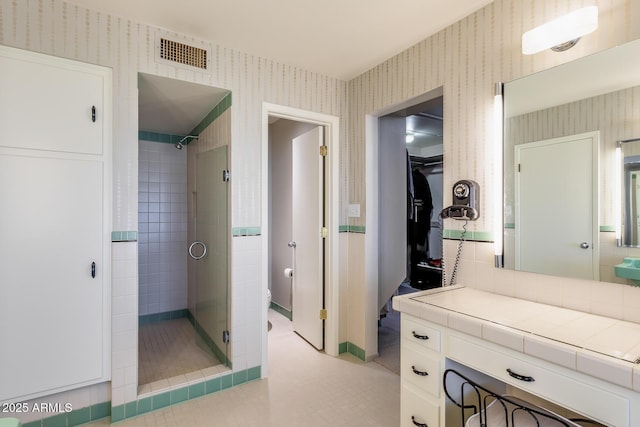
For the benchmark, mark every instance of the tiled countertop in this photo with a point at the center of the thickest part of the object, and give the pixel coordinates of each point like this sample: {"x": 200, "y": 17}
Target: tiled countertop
{"x": 599, "y": 346}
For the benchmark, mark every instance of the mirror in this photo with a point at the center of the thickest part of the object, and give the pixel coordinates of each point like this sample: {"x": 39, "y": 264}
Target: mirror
{"x": 579, "y": 112}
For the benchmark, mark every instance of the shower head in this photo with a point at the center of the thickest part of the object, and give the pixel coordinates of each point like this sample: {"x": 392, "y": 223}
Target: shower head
{"x": 180, "y": 145}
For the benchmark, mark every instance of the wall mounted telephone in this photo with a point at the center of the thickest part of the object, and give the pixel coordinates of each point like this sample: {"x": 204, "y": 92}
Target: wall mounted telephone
{"x": 465, "y": 201}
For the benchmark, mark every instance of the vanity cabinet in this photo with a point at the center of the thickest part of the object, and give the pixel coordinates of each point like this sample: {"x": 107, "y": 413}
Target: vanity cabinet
{"x": 433, "y": 340}
{"x": 420, "y": 373}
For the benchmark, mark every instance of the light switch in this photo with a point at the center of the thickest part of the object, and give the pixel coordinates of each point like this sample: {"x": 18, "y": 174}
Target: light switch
{"x": 353, "y": 211}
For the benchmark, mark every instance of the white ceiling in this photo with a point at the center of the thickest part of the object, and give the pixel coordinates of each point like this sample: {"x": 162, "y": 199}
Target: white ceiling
{"x": 337, "y": 38}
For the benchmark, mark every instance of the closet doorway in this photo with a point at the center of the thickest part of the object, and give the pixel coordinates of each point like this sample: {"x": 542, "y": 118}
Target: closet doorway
{"x": 410, "y": 169}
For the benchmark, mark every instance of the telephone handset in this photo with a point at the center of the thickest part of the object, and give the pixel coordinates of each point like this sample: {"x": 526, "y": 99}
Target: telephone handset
{"x": 465, "y": 201}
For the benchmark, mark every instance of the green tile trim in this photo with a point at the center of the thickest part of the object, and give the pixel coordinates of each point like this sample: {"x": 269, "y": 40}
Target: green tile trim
{"x": 74, "y": 417}
{"x": 476, "y": 236}
{"x": 124, "y": 236}
{"x": 351, "y": 229}
{"x": 510, "y": 225}
{"x": 280, "y": 309}
{"x": 245, "y": 231}
{"x": 347, "y": 347}
{"x": 145, "y": 319}
{"x": 608, "y": 228}
{"x": 164, "y": 138}
{"x": 216, "y": 112}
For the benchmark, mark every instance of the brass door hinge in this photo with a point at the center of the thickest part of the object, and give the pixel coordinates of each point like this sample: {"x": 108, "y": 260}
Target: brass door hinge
{"x": 323, "y": 150}
{"x": 324, "y": 232}
{"x": 323, "y": 314}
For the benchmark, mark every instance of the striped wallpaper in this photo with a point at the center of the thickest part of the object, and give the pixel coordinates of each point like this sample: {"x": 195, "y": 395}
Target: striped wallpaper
{"x": 59, "y": 28}
{"x": 466, "y": 59}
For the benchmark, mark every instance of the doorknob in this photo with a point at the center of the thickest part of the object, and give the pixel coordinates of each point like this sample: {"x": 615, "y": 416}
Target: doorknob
{"x": 584, "y": 245}
{"x": 291, "y": 244}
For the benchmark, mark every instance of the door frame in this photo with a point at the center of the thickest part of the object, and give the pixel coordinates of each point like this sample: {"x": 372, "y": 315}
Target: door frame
{"x": 331, "y": 125}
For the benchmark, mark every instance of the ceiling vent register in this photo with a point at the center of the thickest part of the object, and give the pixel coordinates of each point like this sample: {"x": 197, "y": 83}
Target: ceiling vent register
{"x": 176, "y": 52}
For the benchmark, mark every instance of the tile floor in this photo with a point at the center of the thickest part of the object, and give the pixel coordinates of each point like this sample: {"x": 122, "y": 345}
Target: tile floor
{"x": 167, "y": 349}
{"x": 305, "y": 388}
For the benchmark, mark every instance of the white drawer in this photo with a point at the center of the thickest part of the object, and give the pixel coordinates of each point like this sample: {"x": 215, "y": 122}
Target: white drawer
{"x": 417, "y": 409}
{"x": 556, "y": 386}
{"x": 415, "y": 330}
{"x": 421, "y": 368}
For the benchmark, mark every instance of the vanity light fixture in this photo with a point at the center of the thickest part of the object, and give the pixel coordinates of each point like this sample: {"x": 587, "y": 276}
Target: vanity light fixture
{"x": 562, "y": 33}
{"x": 498, "y": 126}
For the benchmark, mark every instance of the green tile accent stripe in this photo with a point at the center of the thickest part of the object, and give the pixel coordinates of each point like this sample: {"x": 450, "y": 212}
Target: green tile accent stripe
{"x": 347, "y": 347}
{"x": 245, "y": 231}
{"x": 608, "y": 228}
{"x": 476, "y": 236}
{"x": 510, "y": 225}
{"x": 145, "y": 319}
{"x": 351, "y": 229}
{"x": 280, "y": 309}
{"x": 208, "y": 341}
{"x": 165, "y": 138}
{"x": 75, "y": 417}
{"x": 124, "y": 236}
{"x": 182, "y": 394}
{"x": 217, "y": 111}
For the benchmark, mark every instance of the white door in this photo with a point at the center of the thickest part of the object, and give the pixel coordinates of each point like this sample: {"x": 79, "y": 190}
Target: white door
{"x": 55, "y": 224}
{"x": 307, "y": 222}
{"x": 556, "y": 207}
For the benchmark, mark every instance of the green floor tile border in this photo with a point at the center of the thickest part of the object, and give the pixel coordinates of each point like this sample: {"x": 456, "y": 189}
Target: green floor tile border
{"x": 145, "y": 319}
{"x": 209, "y": 342}
{"x": 182, "y": 394}
{"x": 216, "y": 112}
{"x": 351, "y": 229}
{"x": 476, "y": 236}
{"x": 124, "y": 236}
{"x": 280, "y": 309}
{"x": 75, "y": 417}
{"x": 347, "y": 347}
{"x": 245, "y": 231}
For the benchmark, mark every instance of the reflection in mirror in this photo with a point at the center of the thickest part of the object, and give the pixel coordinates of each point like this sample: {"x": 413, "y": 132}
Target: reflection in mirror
{"x": 631, "y": 192}
{"x": 597, "y": 98}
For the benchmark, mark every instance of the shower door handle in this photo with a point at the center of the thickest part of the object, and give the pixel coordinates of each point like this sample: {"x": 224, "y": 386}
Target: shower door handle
{"x": 204, "y": 250}
{"x": 292, "y": 244}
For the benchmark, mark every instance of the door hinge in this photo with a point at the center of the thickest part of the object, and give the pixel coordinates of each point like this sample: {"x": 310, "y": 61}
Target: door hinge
{"x": 324, "y": 232}
{"x": 519, "y": 167}
{"x": 323, "y": 314}
{"x": 225, "y": 337}
{"x": 323, "y": 150}
{"x": 226, "y": 175}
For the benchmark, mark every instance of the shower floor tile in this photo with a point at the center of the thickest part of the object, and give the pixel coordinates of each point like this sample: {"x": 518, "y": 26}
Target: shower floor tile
{"x": 168, "y": 349}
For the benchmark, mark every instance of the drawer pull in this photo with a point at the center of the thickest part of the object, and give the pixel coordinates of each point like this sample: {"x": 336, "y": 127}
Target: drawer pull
{"x": 421, "y": 373}
{"x": 420, "y": 337}
{"x": 416, "y": 423}
{"x": 520, "y": 377}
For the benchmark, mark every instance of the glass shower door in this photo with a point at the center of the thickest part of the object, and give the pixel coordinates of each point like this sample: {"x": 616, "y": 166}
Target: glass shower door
{"x": 210, "y": 249}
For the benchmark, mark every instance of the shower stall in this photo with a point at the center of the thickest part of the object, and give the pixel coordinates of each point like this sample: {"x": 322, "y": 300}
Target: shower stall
{"x": 183, "y": 231}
